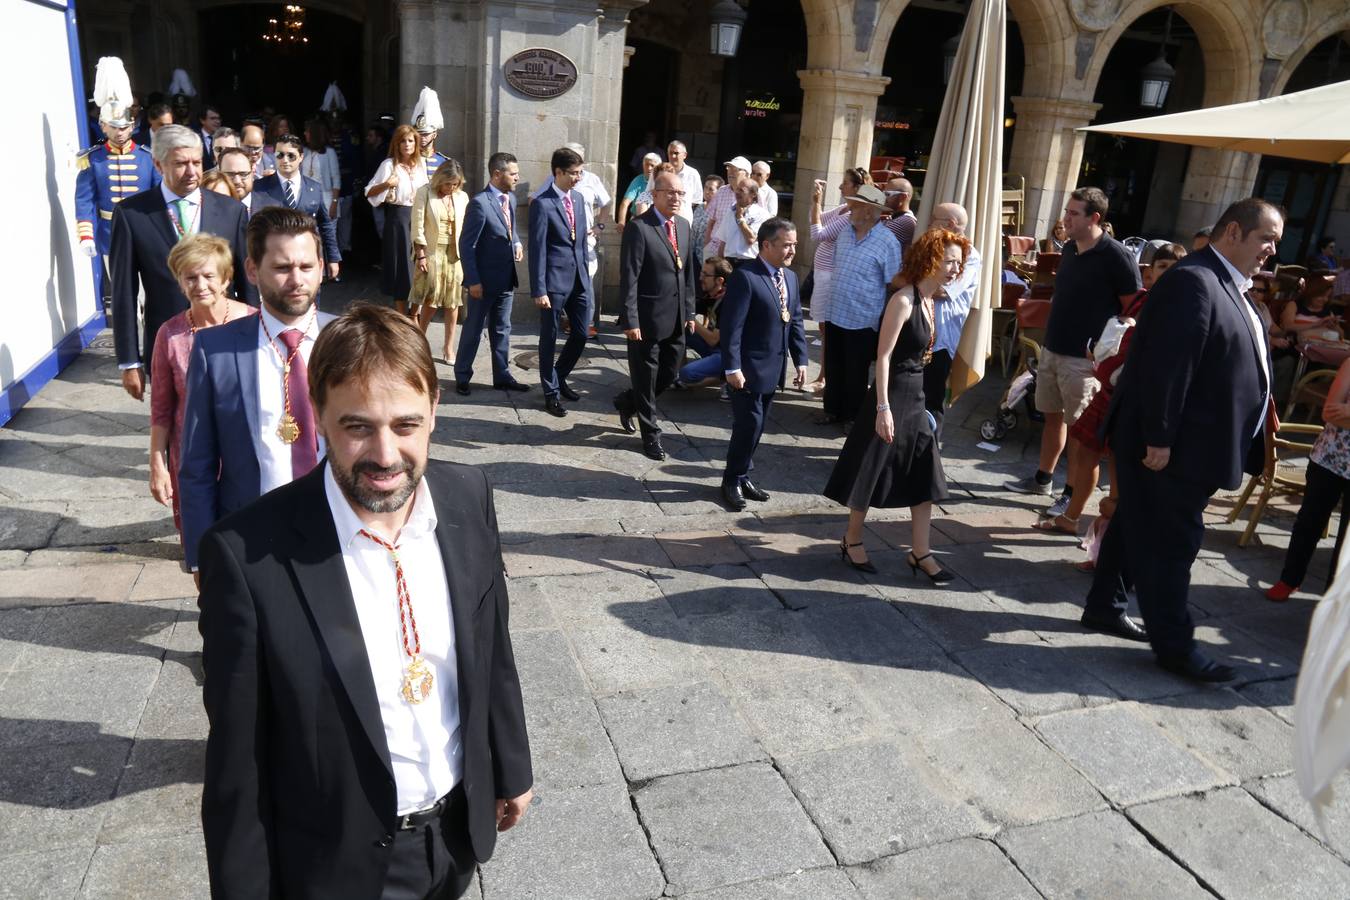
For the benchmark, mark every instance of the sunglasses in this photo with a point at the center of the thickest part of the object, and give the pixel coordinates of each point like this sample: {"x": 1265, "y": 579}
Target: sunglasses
{"x": 288, "y": 156}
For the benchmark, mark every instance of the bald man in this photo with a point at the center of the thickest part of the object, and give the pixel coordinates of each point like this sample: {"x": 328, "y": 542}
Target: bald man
{"x": 902, "y": 222}
{"x": 951, "y": 306}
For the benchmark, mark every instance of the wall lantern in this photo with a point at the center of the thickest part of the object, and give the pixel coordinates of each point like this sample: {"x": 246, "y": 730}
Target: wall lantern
{"x": 1157, "y": 76}
{"x": 728, "y": 18}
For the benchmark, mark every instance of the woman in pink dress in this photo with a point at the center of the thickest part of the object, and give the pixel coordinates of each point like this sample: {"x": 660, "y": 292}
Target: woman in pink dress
{"x": 203, "y": 266}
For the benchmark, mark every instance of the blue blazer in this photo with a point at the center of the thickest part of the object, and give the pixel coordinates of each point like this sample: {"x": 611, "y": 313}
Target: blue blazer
{"x": 754, "y": 337}
{"x": 557, "y": 258}
{"x": 313, "y": 200}
{"x": 218, "y": 470}
{"x": 487, "y": 246}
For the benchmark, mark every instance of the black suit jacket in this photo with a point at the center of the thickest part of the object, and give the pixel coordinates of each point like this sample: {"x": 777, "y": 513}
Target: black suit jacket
{"x": 138, "y": 253}
{"x": 754, "y": 337}
{"x": 658, "y": 295}
{"x": 299, "y": 797}
{"x": 1193, "y": 380}
{"x": 313, "y": 200}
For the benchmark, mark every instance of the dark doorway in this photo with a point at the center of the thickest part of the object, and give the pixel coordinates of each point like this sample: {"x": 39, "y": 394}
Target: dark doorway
{"x": 244, "y": 73}
{"x": 648, "y": 88}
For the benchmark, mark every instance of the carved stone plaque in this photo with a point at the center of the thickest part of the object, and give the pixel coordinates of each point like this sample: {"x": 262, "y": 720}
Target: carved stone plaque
{"x": 1095, "y": 15}
{"x": 540, "y": 73}
{"x": 1284, "y": 26}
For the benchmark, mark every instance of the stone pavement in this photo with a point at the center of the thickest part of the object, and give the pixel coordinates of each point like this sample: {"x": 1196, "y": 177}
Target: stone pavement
{"x": 718, "y": 707}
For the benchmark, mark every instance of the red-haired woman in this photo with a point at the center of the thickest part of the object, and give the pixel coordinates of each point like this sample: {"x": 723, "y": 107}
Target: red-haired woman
{"x": 394, "y": 186}
{"x": 897, "y": 463}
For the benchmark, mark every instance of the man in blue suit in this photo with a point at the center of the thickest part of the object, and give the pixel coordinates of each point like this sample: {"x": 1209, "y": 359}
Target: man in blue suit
{"x": 489, "y": 250}
{"x": 287, "y": 187}
{"x": 560, "y": 280}
{"x": 249, "y": 426}
{"x": 761, "y": 325}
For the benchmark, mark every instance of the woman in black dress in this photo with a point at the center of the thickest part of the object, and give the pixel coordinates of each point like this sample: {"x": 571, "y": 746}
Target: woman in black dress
{"x": 897, "y": 462}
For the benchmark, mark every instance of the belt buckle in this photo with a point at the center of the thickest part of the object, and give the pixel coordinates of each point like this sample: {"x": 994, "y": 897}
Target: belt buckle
{"x": 407, "y": 823}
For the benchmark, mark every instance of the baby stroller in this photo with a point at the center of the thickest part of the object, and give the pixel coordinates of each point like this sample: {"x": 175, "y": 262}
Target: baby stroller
{"x": 1032, "y": 315}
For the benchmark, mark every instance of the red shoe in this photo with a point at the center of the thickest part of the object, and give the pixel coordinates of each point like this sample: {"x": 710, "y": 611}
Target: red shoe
{"x": 1279, "y": 592}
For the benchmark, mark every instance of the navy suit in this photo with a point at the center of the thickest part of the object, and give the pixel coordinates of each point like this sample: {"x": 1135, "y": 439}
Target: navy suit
{"x": 142, "y": 235}
{"x": 487, "y": 252}
{"x": 558, "y": 270}
{"x": 218, "y": 471}
{"x": 756, "y": 340}
{"x": 313, "y": 199}
{"x": 1194, "y": 382}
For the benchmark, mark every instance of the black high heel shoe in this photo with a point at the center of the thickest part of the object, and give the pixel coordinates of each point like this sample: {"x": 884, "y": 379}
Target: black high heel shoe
{"x": 941, "y": 576}
{"x": 860, "y": 566}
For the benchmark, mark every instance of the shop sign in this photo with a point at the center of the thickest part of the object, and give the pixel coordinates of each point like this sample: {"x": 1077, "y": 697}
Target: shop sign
{"x": 758, "y": 106}
{"x": 540, "y": 73}
{"x": 892, "y": 125}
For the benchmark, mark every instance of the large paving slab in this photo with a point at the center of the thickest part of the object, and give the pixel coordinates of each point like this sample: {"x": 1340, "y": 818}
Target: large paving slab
{"x": 960, "y": 870}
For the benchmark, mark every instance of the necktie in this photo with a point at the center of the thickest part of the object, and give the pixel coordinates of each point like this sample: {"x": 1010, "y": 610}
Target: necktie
{"x": 781, "y": 285}
{"x": 506, "y": 211}
{"x": 289, "y": 192}
{"x": 571, "y": 215}
{"x": 180, "y": 210}
{"x": 305, "y": 451}
{"x": 670, "y": 235}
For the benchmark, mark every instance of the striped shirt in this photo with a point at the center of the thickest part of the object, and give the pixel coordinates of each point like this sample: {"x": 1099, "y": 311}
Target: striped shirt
{"x": 950, "y": 312}
{"x": 825, "y": 234}
{"x": 719, "y": 208}
{"x": 902, "y": 226}
{"x": 862, "y": 269}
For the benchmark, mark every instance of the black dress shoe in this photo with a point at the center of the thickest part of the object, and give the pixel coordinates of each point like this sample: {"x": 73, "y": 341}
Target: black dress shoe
{"x": 1114, "y": 623}
{"x": 625, "y": 417}
{"x": 511, "y": 386}
{"x": 829, "y": 420}
{"x": 751, "y": 492}
{"x": 1197, "y": 667}
{"x": 651, "y": 445}
{"x": 732, "y": 494}
{"x": 568, "y": 394}
{"x": 553, "y": 407}
{"x": 462, "y": 388}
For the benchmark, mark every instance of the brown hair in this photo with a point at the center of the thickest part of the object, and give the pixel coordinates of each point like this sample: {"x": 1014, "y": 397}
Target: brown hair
{"x": 280, "y": 220}
{"x": 1093, "y": 200}
{"x": 369, "y": 341}
{"x": 1247, "y": 214}
{"x": 924, "y": 256}
{"x": 858, "y": 176}
{"x": 721, "y": 267}
{"x": 214, "y": 180}
{"x": 1174, "y": 252}
{"x": 198, "y": 248}
{"x": 400, "y": 133}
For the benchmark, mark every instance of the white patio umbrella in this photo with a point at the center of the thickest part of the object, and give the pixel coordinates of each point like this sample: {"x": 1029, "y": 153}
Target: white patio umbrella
{"x": 966, "y": 167}
{"x": 1311, "y": 125}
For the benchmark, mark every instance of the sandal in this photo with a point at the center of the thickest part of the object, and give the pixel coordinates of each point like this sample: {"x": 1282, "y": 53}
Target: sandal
{"x": 1060, "y": 524}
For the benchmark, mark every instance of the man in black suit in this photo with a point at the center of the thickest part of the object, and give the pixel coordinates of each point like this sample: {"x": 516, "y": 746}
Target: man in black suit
{"x": 656, "y": 284}
{"x": 1188, "y": 418}
{"x": 287, "y": 187}
{"x": 761, "y": 326}
{"x": 145, "y": 227}
{"x": 367, "y": 733}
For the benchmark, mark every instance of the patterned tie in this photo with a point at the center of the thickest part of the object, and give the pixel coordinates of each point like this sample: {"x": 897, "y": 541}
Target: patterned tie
{"x": 506, "y": 212}
{"x": 289, "y": 192}
{"x": 670, "y": 235}
{"x": 571, "y": 215}
{"x": 180, "y": 210}
{"x": 305, "y": 451}
{"x": 781, "y": 285}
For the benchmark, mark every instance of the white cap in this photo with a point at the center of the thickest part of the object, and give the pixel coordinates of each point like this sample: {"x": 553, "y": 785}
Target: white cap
{"x": 112, "y": 92}
{"x": 739, "y": 162}
{"x": 426, "y": 116}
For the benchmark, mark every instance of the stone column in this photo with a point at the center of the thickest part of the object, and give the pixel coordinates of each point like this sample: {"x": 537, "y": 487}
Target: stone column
{"x": 838, "y": 112}
{"x": 1048, "y": 152}
{"x": 1214, "y": 179}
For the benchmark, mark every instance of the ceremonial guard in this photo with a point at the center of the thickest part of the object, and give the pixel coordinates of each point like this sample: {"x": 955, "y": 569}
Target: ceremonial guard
{"x": 112, "y": 170}
{"x": 428, "y": 122}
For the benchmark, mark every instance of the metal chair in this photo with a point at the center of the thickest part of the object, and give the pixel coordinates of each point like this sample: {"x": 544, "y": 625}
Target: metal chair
{"x": 1274, "y": 478}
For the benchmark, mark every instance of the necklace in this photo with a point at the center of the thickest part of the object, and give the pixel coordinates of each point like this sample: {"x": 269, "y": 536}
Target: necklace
{"x": 193, "y": 326}
{"x": 289, "y": 429}
{"x": 417, "y": 677}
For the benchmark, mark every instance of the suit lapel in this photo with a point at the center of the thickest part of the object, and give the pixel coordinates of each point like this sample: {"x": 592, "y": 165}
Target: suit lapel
{"x": 163, "y": 224}
{"x": 1242, "y": 306}
{"x": 451, "y": 531}
{"x": 326, "y": 592}
{"x": 246, "y": 367}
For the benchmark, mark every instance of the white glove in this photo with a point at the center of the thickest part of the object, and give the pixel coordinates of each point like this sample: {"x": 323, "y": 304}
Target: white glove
{"x": 88, "y": 247}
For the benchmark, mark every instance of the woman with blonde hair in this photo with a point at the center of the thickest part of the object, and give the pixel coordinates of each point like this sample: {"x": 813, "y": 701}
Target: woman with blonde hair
{"x": 896, "y": 462}
{"x": 394, "y": 186}
{"x": 438, "y": 281}
{"x": 204, "y": 267}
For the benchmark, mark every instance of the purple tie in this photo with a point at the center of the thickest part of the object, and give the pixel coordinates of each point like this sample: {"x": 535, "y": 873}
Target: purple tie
{"x": 571, "y": 215}
{"x": 305, "y": 450}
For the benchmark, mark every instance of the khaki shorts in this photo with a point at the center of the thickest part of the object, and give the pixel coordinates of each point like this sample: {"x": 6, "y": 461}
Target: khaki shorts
{"x": 1064, "y": 385}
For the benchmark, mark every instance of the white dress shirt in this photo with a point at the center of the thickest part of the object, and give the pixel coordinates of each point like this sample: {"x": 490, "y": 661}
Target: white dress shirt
{"x": 511, "y": 199}
{"x": 768, "y": 198}
{"x": 297, "y": 186}
{"x": 735, "y": 246}
{"x": 1244, "y": 284}
{"x": 193, "y": 213}
{"x": 423, "y": 738}
{"x": 693, "y": 192}
{"x": 274, "y": 466}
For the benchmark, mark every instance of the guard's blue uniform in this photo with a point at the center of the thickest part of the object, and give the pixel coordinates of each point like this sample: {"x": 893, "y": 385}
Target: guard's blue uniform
{"x": 434, "y": 162}
{"x": 105, "y": 179}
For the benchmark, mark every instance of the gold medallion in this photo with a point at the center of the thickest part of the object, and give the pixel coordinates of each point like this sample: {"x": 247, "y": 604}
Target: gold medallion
{"x": 289, "y": 429}
{"x": 784, "y": 313}
{"x": 679, "y": 263}
{"x": 416, "y": 681}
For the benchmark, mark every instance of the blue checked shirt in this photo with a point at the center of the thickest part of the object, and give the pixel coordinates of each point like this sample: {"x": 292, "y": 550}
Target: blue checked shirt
{"x": 862, "y": 270}
{"x": 951, "y": 312}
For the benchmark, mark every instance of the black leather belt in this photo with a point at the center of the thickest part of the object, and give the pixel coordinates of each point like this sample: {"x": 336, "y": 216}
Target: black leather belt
{"x": 415, "y": 820}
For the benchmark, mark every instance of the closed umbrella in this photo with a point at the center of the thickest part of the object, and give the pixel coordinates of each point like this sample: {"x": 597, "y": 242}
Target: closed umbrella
{"x": 966, "y": 167}
{"x": 1322, "y": 701}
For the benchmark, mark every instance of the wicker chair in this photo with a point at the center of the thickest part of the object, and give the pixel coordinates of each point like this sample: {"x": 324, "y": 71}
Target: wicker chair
{"x": 1282, "y": 446}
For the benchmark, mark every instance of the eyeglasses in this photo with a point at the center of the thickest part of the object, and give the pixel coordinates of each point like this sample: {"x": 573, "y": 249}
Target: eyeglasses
{"x": 288, "y": 156}
{"x": 237, "y": 176}
{"x": 575, "y": 173}
{"x": 669, "y": 191}
{"x": 251, "y": 149}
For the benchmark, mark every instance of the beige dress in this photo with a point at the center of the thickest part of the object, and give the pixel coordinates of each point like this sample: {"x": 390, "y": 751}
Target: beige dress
{"x": 435, "y": 225}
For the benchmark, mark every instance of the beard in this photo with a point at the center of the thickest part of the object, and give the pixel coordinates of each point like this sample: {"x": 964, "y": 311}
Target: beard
{"x": 286, "y": 304}
{"x": 372, "y": 500}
